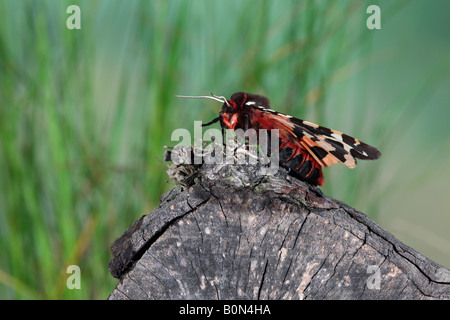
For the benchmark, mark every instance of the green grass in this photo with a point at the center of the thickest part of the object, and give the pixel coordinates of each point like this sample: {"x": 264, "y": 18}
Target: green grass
{"x": 84, "y": 114}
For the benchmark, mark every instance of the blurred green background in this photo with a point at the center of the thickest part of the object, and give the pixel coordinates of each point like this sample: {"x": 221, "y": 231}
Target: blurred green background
{"x": 84, "y": 115}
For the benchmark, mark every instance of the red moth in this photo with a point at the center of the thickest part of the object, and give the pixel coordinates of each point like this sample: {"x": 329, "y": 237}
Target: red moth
{"x": 305, "y": 147}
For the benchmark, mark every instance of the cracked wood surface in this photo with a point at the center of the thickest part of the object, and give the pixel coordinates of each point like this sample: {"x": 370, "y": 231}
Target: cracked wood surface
{"x": 272, "y": 238}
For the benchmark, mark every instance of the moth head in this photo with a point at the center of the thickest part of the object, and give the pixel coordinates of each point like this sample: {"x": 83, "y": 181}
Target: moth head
{"x": 242, "y": 100}
{"x": 237, "y": 101}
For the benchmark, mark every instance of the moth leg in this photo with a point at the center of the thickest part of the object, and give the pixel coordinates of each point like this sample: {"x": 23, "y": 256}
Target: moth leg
{"x": 242, "y": 140}
{"x": 245, "y": 123}
{"x": 223, "y": 136}
{"x": 222, "y": 127}
{"x": 211, "y": 122}
{"x": 245, "y": 137}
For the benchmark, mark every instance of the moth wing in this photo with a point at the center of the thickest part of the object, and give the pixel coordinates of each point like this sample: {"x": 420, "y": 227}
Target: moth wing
{"x": 335, "y": 146}
{"x": 327, "y": 146}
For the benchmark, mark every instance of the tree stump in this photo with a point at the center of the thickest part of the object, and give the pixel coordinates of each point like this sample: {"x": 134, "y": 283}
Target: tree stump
{"x": 234, "y": 234}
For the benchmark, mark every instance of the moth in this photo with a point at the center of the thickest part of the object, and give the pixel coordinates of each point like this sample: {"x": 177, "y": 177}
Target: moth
{"x": 305, "y": 147}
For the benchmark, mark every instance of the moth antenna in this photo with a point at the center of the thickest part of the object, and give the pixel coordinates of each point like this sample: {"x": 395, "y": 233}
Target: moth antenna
{"x": 212, "y": 97}
{"x": 222, "y": 98}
